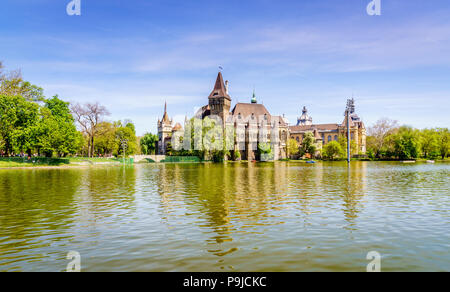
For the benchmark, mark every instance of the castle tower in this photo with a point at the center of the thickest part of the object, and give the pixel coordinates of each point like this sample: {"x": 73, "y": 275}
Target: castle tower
{"x": 164, "y": 131}
{"x": 305, "y": 119}
{"x": 219, "y": 100}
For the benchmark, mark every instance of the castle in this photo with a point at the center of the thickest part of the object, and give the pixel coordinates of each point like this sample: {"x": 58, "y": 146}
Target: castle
{"x": 325, "y": 133}
{"x": 249, "y": 120}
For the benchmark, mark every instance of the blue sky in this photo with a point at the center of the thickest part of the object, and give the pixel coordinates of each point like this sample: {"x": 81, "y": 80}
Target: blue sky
{"x": 132, "y": 56}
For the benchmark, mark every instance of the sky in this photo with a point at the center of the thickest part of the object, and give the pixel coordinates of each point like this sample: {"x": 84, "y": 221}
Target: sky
{"x": 133, "y": 56}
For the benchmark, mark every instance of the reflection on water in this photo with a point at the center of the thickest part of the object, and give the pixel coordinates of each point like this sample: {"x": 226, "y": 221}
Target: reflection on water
{"x": 283, "y": 216}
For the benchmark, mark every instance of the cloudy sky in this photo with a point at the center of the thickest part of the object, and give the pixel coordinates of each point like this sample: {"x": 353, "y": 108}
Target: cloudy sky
{"x": 132, "y": 56}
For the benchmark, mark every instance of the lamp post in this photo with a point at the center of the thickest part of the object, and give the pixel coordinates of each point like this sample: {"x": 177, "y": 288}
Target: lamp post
{"x": 347, "y": 117}
{"x": 124, "y": 143}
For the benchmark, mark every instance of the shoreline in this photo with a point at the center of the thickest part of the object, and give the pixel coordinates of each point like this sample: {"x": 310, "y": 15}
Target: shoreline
{"x": 111, "y": 164}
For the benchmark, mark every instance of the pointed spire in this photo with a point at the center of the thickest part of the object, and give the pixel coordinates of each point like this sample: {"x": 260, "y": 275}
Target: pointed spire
{"x": 219, "y": 88}
{"x": 254, "y": 97}
{"x": 165, "y": 118}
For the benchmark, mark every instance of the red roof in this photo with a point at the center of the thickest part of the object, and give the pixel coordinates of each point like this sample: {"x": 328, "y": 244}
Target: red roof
{"x": 219, "y": 88}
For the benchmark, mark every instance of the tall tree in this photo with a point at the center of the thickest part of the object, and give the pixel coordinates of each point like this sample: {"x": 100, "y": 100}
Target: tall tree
{"x": 407, "y": 143}
{"x": 333, "y": 150}
{"x": 429, "y": 142}
{"x": 148, "y": 143}
{"x": 125, "y": 134}
{"x": 89, "y": 116}
{"x": 106, "y": 142}
{"x": 18, "y": 119}
{"x": 444, "y": 142}
{"x": 12, "y": 84}
{"x": 378, "y": 133}
{"x": 292, "y": 147}
{"x": 308, "y": 144}
{"x": 56, "y": 132}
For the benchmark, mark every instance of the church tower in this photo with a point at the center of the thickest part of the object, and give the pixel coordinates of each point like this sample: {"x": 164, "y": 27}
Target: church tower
{"x": 219, "y": 100}
{"x": 164, "y": 131}
{"x": 305, "y": 119}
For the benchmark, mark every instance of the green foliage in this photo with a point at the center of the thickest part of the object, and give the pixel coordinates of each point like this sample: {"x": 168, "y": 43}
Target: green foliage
{"x": 106, "y": 141}
{"x": 12, "y": 84}
{"x": 406, "y": 143}
{"x": 443, "y": 142}
{"x": 333, "y": 151}
{"x": 342, "y": 140}
{"x": 148, "y": 144}
{"x": 292, "y": 147}
{"x": 18, "y": 119}
{"x": 429, "y": 141}
{"x": 237, "y": 155}
{"x": 126, "y": 133}
{"x": 308, "y": 144}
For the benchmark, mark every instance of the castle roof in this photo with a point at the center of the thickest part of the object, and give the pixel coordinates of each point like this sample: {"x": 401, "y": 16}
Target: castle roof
{"x": 319, "y": 127}
{"x": 165, "y": 118}
{"x": 219, "y": 88}
{"x": 177, "y": 127}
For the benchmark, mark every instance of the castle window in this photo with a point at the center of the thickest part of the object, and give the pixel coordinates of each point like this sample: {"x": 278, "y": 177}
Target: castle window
{"x": 298, "y": 139}
{"x": 335, "y": 137}
{"x": 329, "y": 138}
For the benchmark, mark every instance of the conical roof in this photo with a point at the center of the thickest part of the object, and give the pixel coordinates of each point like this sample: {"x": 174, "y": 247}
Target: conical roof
{"x": 219, "y": 88}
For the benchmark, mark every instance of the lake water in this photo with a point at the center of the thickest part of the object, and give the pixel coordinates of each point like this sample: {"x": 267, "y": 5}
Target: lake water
{"x": 283, "y": 216}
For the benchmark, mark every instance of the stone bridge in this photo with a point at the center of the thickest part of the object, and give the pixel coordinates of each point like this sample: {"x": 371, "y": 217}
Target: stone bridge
{"x": 155, "y": 158}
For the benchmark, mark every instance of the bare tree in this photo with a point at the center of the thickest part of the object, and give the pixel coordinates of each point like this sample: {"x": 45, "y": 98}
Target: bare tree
{"x": 380, "y": 130}
{"x": 89, "y": 116}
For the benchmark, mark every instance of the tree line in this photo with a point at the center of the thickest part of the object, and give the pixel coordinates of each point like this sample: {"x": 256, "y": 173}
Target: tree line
{"x": 386, "y": 140}
{"x": 33, "y": 125}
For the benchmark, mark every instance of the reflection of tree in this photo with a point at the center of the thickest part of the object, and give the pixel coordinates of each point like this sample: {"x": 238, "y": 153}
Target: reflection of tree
{"x": 35, "y": 204}
{"x": 104, "y": 189}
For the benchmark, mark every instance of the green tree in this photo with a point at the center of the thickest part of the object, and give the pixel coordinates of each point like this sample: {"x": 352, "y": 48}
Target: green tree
{"x": 61, "y": 132}
{"x": 333, "y": 151}
{"x": 443, "y": 142}
{"x": 377, "y": 140}
{"x": 406, "y": 143}
{"x": 18, "y": 119}
{"x": 308, "y": 144}
{"x": 148, "y": 144}
{"x": 429, "y": 140}
{"x": 12, "y": 84}
{"x": 126, "y": 133}
{"x": 292, "y": 147}
{"x": 106, "y": 142}
{"x": 342, "y": 140}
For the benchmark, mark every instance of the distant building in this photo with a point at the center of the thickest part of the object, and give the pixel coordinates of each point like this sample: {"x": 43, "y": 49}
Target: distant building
{"x": 165, "y": 131}
{"x": 325, "y": 133}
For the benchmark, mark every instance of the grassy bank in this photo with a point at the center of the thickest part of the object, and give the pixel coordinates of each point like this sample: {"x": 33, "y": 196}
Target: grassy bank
{"x": 14, "y": 162}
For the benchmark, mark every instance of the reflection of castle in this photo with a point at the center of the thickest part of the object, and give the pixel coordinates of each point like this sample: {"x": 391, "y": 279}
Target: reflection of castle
{"x": 325, "y": 133}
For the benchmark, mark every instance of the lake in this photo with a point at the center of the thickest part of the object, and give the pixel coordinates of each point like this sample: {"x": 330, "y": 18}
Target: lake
{"x": 282, "y": 216}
